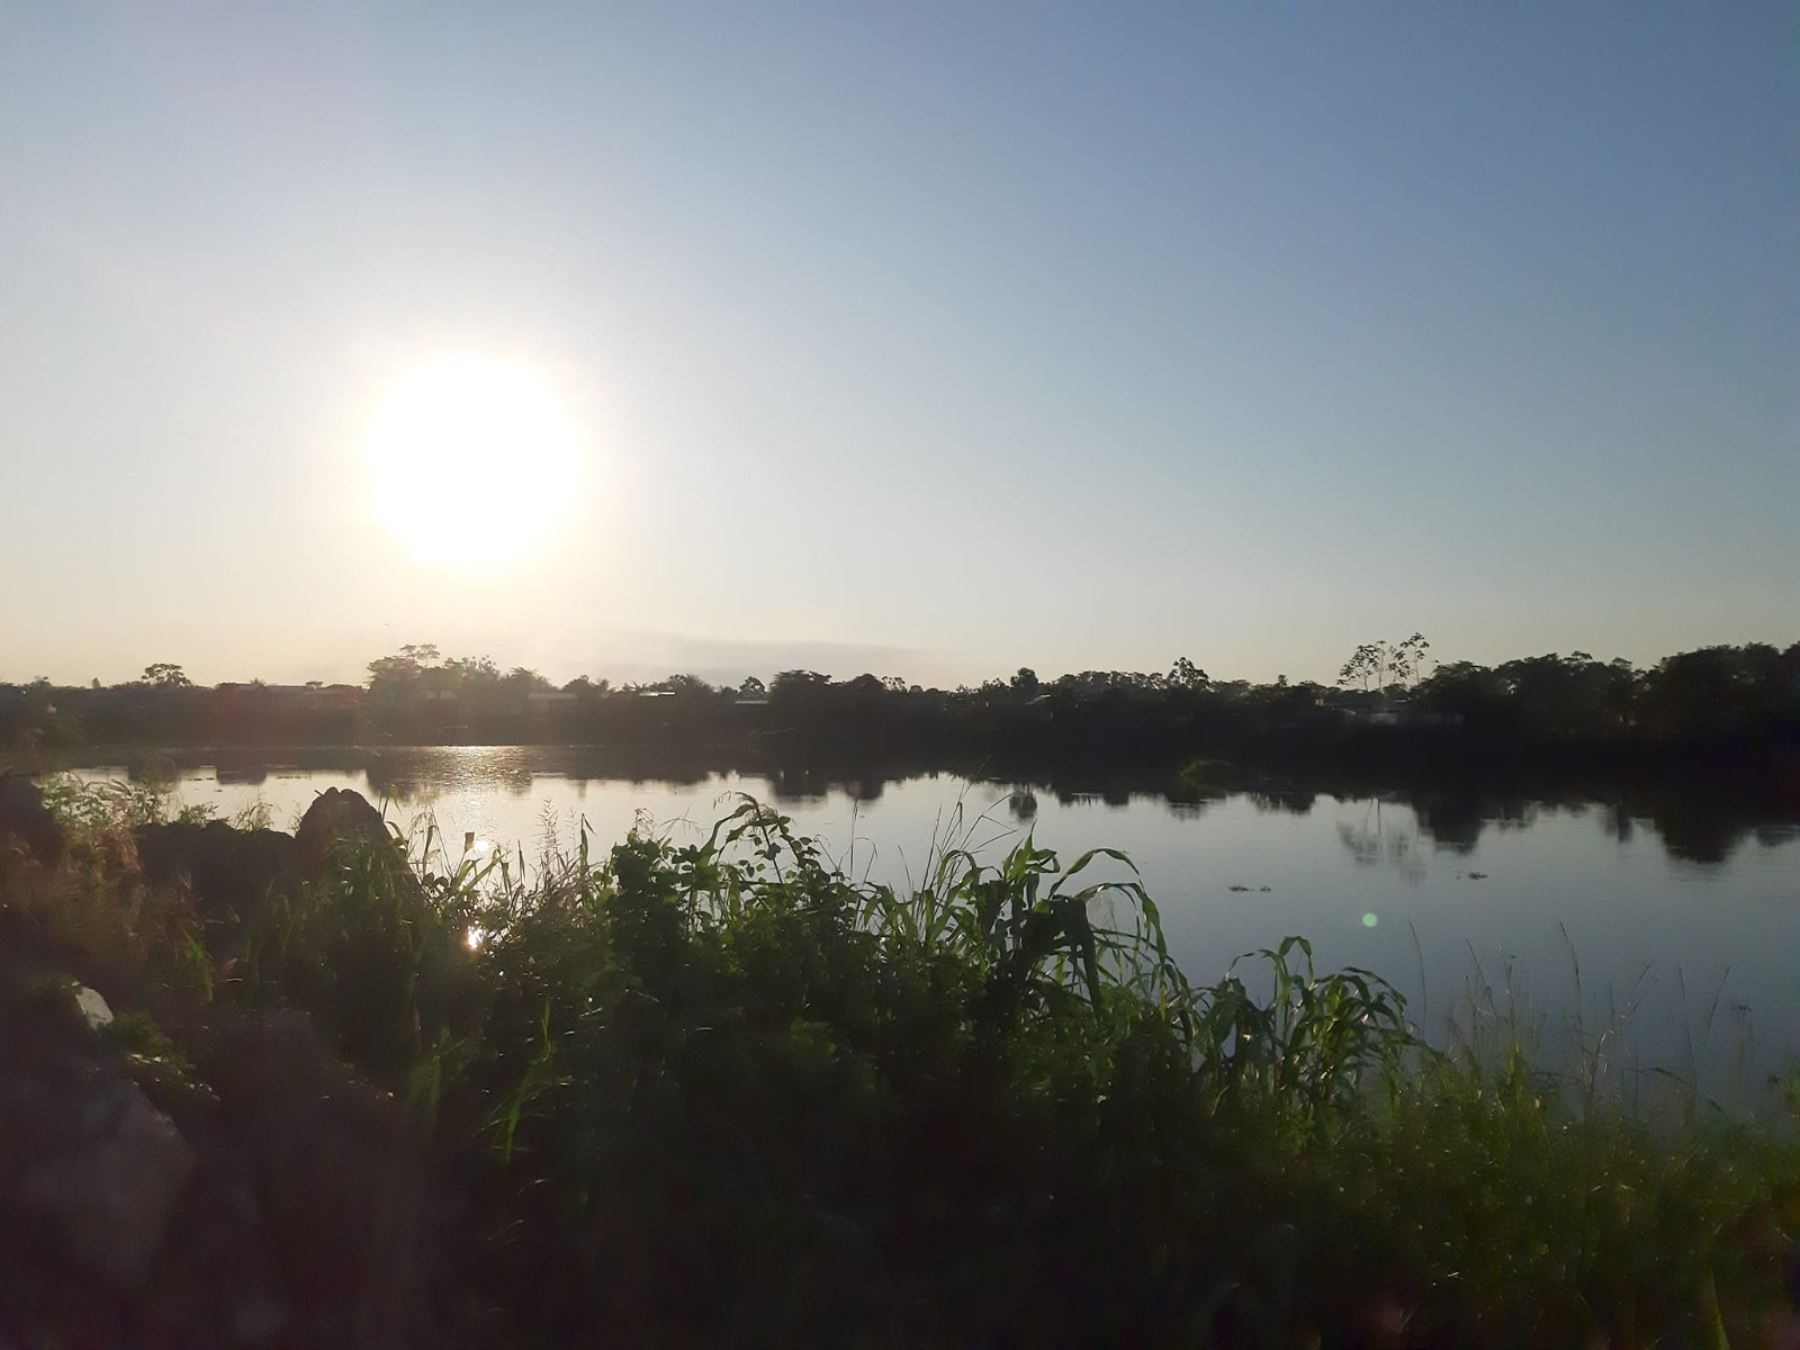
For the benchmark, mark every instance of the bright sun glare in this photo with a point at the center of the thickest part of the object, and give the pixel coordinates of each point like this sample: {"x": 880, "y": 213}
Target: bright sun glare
{"x": 471, "y": 460}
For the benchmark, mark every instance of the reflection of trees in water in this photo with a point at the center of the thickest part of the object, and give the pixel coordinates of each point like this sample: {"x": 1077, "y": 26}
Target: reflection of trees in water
{"x": 398, "y": 778}
{"x": 1616, "y": 819}
{"x": 420, "y": 777}
{"x": 152, "y": 771}
{"x": 1695, "y": 826}
{"x": 866, "y": 789}
{"x": 792, "y": 786}
{"x": 1079, "y": 799}
{"x": 800, "y": 785}
{"x": 1699, "y": 833}
{"x": 254, "y": 775}
{"x": 1703, "y": 827}
{"x": 1695, "y": 822}
{"x": 1454, "y": 820}
{"x": 1455, "y": 817}
{"x": 1692, "y": 825}
{"x": 1283, "y": 803}
{"x": 1378, "y": 840}
{"x": 1511, "y": 814}
{"x": 403, "y": 791}
{"x": 804, "y": 786}
{"x": 1775, "y": 835}
{"x": 1113, "y": 798}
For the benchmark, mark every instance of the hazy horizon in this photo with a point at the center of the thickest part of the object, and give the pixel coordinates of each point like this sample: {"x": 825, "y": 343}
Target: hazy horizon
{"x": 925, "y": 340}
{"x": 650, "y": 658}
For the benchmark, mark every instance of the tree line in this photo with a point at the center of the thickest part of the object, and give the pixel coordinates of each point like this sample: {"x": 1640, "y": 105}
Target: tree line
{"x": 1391, "y": 698}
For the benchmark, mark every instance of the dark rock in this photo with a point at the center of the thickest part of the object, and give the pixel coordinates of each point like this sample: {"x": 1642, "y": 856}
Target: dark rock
{"x": 25, "y": 818}
{"x": 231, "y": 872}
{"x": 110, "y": 1196}
{"x": 218, "y": 1256}
{"x": 258, "y": 1320}
{"x": 88, "y": 1162}
{"x": 342, "y": 1169}
{"x": 337, "y": 816}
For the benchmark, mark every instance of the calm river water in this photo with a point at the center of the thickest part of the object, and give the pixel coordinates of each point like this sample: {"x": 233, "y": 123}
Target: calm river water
{"x": 1693, "y": 924}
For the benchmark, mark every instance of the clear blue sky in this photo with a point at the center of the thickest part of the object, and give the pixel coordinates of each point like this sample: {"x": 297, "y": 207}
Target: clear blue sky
{"x": 930, "y": 339}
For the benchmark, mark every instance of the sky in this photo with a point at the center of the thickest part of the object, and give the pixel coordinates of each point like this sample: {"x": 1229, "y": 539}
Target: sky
{"x": 927, "y": 339}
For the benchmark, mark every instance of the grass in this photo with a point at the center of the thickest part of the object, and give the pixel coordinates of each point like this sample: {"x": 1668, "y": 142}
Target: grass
{"x": 721, "y": 1093}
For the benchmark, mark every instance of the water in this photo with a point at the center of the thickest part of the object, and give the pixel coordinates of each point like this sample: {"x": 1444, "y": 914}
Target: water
{"x": 1686, "y": 918}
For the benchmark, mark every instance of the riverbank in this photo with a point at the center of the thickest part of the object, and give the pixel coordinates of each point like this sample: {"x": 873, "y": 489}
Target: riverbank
{"x": 683, "y": 1093}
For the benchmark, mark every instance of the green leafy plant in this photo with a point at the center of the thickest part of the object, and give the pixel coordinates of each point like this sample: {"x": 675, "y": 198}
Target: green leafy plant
{"x": 723, "y": 1090}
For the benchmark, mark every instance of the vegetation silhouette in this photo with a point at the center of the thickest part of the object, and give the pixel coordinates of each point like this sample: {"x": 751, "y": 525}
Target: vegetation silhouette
{"x": 726, "y": 1092}
{"x": 1734, "y": 711}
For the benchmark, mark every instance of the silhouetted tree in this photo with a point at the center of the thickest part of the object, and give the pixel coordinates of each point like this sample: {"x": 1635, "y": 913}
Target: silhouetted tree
{"x": 1378, "y": 666}
{"x": 1187, "y": 675}
{"x": 401, "y": 668}
{"x": 166, "y": 675}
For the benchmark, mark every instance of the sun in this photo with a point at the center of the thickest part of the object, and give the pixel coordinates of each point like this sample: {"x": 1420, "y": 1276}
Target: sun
{"x": 471, "y": 460}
